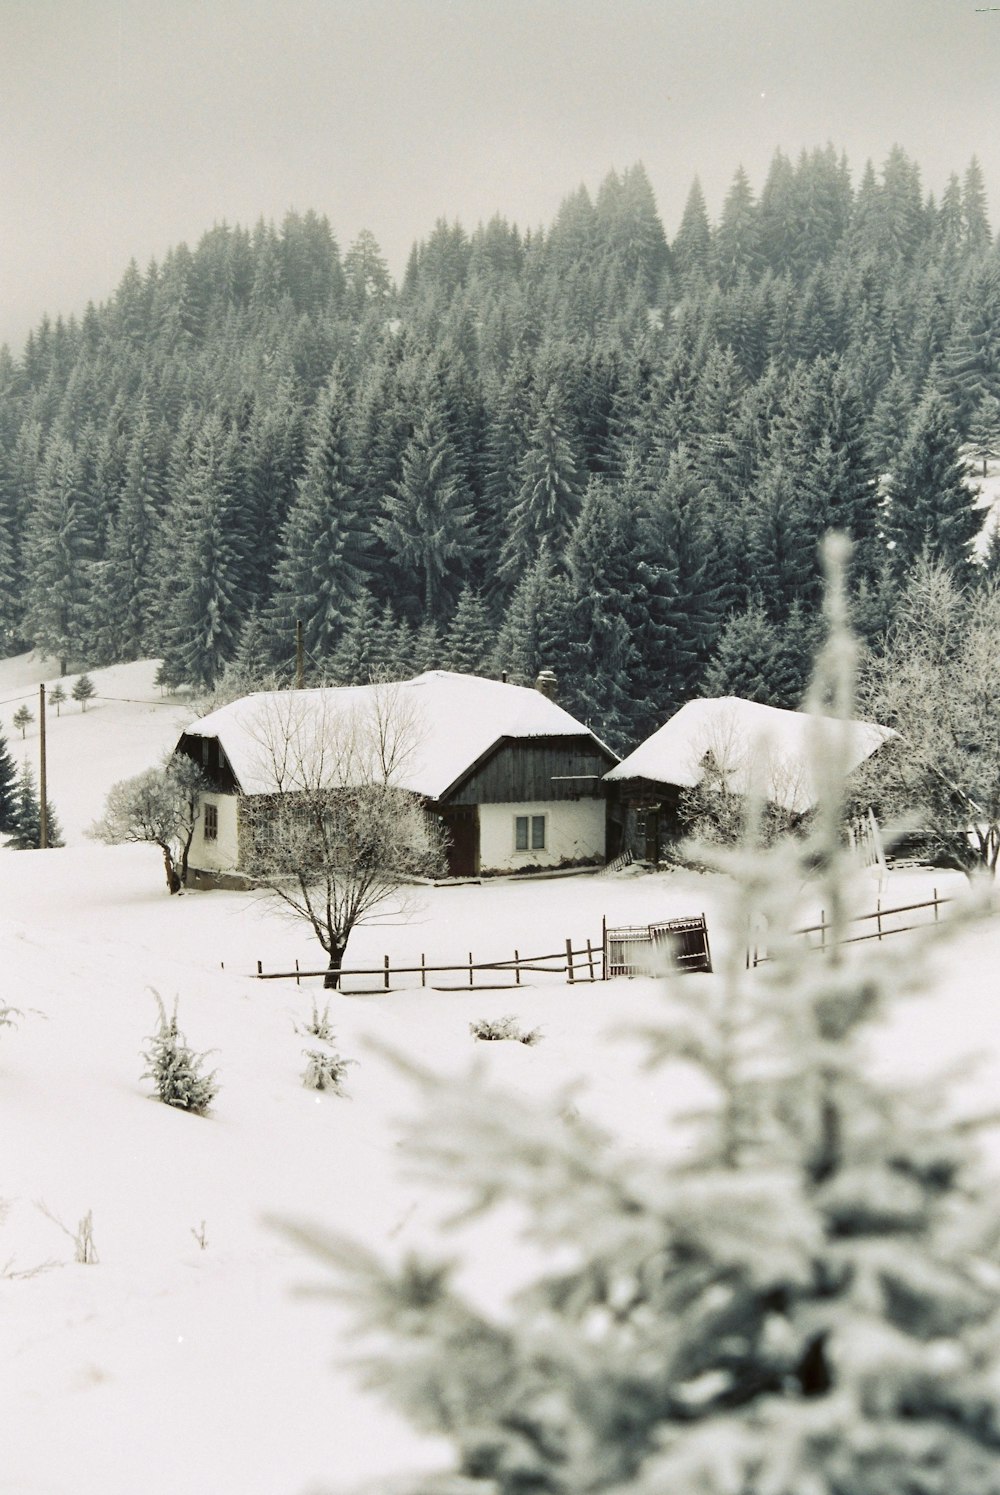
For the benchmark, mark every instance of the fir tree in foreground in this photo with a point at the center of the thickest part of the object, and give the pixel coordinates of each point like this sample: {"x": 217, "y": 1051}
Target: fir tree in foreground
{"x": 799, "y": 1297}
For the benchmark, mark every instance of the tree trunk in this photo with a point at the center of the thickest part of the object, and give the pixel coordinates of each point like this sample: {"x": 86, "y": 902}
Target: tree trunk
{"x": 186, "y": 852}
{"x": 173, "y": 881}
{"x": 331, "y": 981}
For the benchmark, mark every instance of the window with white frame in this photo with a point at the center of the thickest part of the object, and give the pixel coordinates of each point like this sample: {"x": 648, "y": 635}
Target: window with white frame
{"x": 529, "y": 832}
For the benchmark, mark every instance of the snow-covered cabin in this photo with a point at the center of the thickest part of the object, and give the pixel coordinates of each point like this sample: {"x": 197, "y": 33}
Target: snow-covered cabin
{"x": 514, "y": 778}
{"x": 758, "y": 748}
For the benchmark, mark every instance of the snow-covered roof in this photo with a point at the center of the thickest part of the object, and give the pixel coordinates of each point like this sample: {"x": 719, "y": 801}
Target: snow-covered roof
{"x": 759, "y": 747}
{"x": 432, "y": 729}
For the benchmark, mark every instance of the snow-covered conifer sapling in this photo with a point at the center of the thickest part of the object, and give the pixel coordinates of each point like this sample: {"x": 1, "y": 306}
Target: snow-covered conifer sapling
{"x": 175, "y": 1069}
{"x": 325, "y": 1071}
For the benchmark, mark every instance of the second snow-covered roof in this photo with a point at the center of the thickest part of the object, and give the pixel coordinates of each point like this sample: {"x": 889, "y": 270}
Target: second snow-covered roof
{"x": 428, "y": 732}
{"x": 760, "y": 748}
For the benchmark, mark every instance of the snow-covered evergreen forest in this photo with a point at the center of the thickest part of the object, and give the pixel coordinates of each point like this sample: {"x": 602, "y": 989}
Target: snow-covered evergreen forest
{"x": 582, "y": 447}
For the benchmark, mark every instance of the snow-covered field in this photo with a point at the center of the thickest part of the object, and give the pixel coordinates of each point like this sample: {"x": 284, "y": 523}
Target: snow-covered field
{"x": 170, "y": 1365}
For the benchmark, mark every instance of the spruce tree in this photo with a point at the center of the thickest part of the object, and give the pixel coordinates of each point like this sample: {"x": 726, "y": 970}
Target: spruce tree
{"x": 537, "y": 631}
{"x": 8, "y": 786}
{"x": 427, "y": 524}
{"x": 761, "y": 660}
{"x": 547, "y": 499}
{"x": 24, "y": 823}
{"x": 736, "y": 247}
{"x": 691, "y": 250}
{"x": 685, "y": 605}
{"x": 203, "y": 562}
{"x": 931, "y": 508}
{"x": 975, "y": 222}
{"x": 125, "y": 588}
{"x": 469, "y": 640}
{"x": 984, "y": 431}
{"x": 365, "y": 647}
{"x": 11, "y": 581}
{"x": 610, "y": 604}
{"x": 783, "y": 555}
{"x": 59, "y": 552}
{"x": 83, "y": 690}
{"x": 322, "y": 569}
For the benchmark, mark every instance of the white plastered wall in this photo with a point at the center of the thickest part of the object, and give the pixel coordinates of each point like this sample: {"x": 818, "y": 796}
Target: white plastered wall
{"x": 574, "y": 832}
{"x": 221, "y": 854}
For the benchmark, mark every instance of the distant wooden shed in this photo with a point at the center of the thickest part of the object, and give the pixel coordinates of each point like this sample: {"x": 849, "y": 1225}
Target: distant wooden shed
{"x": 759, "y": 748}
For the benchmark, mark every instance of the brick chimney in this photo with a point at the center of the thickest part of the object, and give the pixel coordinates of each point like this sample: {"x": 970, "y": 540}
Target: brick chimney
{"x": 547, "y": 683}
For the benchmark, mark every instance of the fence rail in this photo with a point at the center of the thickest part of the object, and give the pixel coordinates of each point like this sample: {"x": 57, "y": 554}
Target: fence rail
{"x": 577, "y": 964}
{"x": 880, "y": 932}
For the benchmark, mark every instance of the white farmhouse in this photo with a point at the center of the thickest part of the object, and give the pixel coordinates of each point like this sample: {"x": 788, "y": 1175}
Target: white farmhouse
{"x": 515, "y": 780}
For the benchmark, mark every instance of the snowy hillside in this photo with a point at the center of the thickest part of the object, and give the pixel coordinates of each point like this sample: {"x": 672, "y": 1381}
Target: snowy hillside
{"x": 127, "y": 726}
{"x": 171, "y": 1364}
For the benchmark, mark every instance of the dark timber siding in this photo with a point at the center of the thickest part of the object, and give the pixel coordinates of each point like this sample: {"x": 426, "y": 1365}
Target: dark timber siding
{"x": 207, "y": 753}
{"x": 543, "y": 769}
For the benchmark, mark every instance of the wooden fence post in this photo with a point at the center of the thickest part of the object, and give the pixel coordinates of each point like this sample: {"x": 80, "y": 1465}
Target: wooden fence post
{"x": 878, "y": 917}
{"x": 260, "y": 968}
{"x": 386, "y": 972}
{"x": 936, "y": 902}
{"x": 569, "y": 962}
{"x": 423, "y": 970}
{"x": 297, "y": 981}
{"x": 604, "y": 946}
{"x": 470, "y": 970}
{"x": 590, "y": 959}
{"x": 517, "y": 968}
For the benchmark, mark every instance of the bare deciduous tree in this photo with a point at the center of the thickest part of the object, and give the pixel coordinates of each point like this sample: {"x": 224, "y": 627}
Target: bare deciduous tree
{"x": 934, "y": 682}
{"x": 160, "y": 806}
{"x": 337, "y": 835}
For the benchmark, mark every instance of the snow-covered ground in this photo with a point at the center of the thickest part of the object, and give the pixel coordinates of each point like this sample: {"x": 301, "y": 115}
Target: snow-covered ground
{"x": 169, "y": 1365}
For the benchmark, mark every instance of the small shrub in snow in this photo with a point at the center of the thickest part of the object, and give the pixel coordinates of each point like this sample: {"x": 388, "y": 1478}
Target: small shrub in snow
{"x": 200, "y": 1236}
{"x": 176, "y": 1069}
{"x": 325, "y": 1071}
{"x": 83, "y": 1241}
{"x": 84, "y": 1250}
{"x": 493, "y": 1029}
{"x": 9, "y": 1016}
{"x": 319, "y": 1025}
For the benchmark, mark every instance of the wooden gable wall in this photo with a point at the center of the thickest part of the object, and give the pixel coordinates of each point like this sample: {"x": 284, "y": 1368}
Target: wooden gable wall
{"x": 522, "y": 770}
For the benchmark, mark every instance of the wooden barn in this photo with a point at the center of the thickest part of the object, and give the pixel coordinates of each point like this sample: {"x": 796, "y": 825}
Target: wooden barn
{"x": 515, "y": 780}
{"x": 753, "y": 747}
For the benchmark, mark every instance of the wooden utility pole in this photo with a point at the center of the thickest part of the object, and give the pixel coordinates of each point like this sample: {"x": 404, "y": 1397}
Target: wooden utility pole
{"x": 43, "y": 816}
{"x": 299, "y": 656}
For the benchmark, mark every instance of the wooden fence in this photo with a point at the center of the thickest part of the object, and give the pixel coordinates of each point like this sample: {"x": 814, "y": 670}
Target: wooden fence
{"x": 576, "y": 964}
{"x": 884, "y": 926}
{"x": 636, "y": 950}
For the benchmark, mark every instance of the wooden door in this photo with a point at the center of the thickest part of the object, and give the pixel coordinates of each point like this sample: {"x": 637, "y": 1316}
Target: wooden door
{"x": 461, "y": 824}
{"x": 653, "y": 834}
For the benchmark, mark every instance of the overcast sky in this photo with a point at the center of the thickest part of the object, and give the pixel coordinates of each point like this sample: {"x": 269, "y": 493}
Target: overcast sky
{"x": 127, "y": 126}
